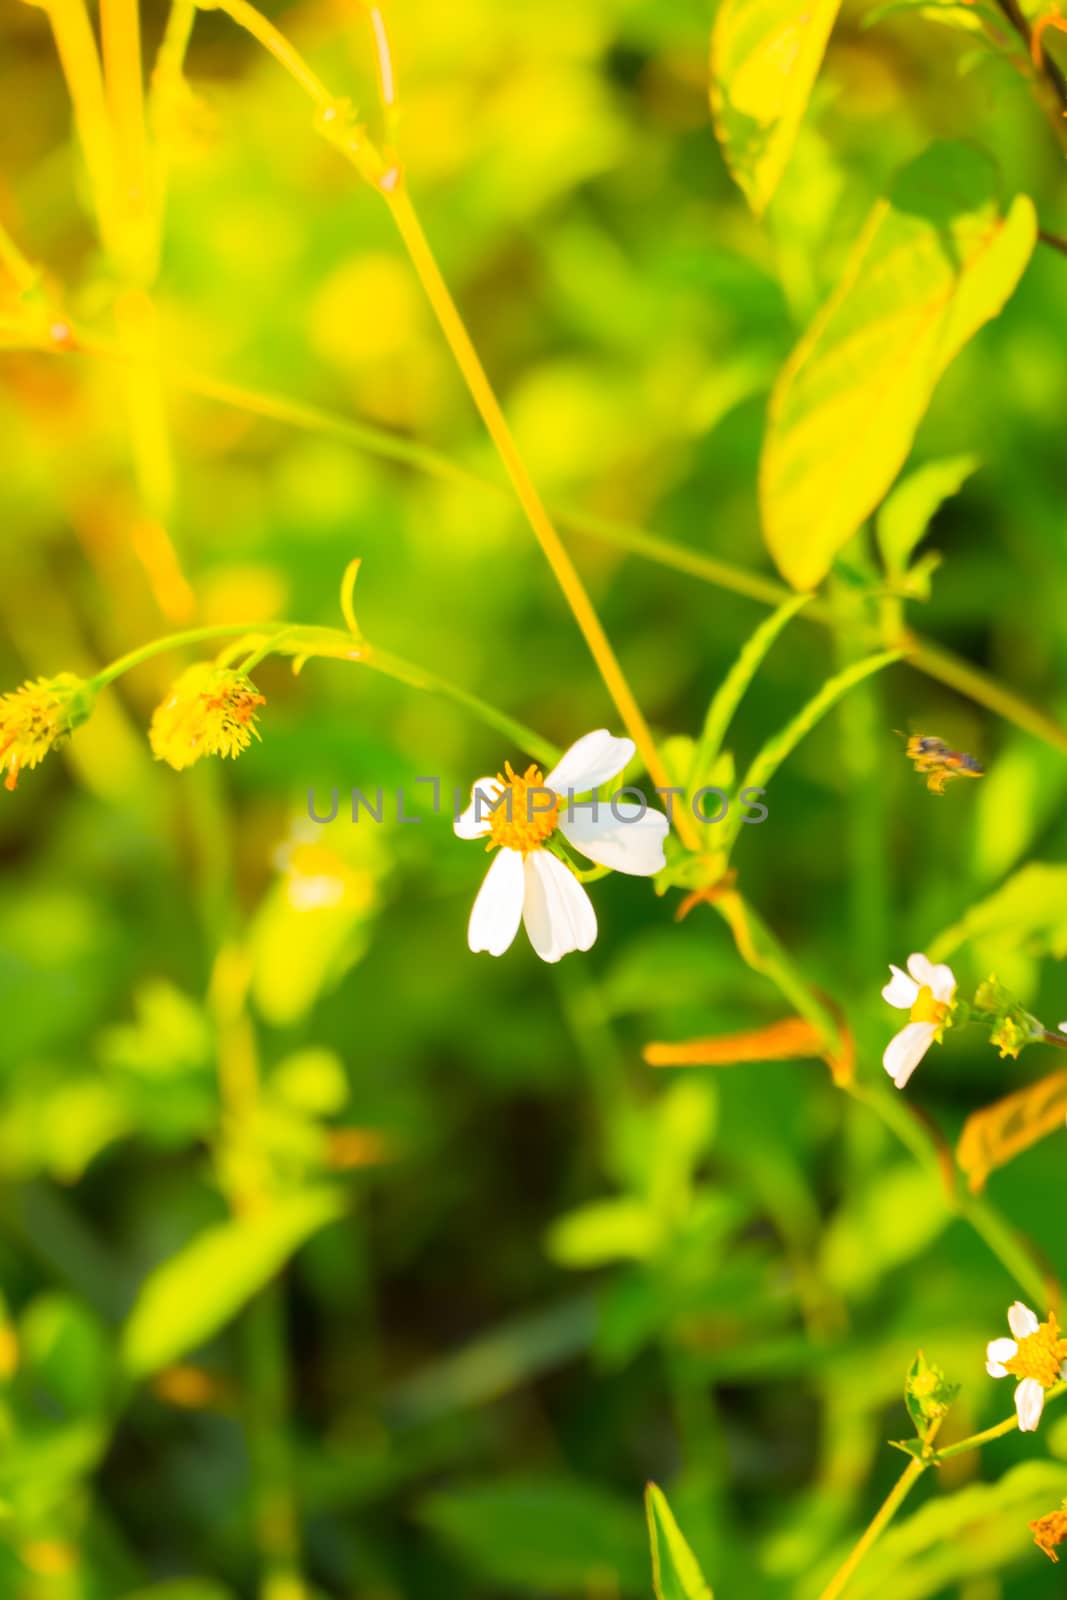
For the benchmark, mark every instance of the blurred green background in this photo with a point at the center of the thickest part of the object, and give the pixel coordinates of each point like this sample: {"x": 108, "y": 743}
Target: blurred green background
{"x": 465, "y": 1376}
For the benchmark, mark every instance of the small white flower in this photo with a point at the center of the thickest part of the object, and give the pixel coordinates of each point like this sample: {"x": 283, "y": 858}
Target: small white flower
{"x": 927, "y": 995}
{"x": 526, "y": 882}
{"x": 1037, "y": 1356}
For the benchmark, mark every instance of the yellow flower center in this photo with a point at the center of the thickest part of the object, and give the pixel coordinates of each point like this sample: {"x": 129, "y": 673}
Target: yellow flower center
{"x": 525, "y": 814}
{"x": 1040, "y": 1355}
{"x": 927, "y": 1009}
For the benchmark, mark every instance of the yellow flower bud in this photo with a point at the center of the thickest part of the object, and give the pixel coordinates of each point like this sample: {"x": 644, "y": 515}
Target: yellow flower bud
{"x": 210, "y": 711}
{"x": 36, "y": 717}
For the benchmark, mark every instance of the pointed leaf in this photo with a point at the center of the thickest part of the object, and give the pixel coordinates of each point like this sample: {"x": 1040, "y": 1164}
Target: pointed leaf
{"x": 936, "y": 260}
{"x": 765, "y": 56}
{"x": 731, "y": 690}
{"x": 189, "y": 1297}
{"x": 675, "y": 1574}
{"x": 908, "y": 511}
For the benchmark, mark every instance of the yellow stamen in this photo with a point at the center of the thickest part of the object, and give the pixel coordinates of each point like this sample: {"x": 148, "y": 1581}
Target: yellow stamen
{"x": 522, "y": 818}
{"x": 1040, "y": 1355}
{"x": 927, "y": 1009}
{"x": 210, "y": 711}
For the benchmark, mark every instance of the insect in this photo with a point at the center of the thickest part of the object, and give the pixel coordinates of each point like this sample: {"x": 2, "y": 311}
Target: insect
{"x": 941, "y": 765}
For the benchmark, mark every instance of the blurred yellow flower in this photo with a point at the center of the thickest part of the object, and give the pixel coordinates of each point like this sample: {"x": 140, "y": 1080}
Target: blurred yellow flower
{"x": 1050, "y": 1531}
{"x": 210, "y": 711}
{"x": 35, "y": 717}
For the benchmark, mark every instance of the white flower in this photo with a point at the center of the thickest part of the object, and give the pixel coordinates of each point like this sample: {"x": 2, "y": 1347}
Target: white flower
{"x": 927, "y": 995}
{"x": 1037, "y": 1356}
{"x": 526, "y": 881}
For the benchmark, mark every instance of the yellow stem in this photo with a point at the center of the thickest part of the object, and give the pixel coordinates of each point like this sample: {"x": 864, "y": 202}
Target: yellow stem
{"x": 18, "y": 267}
{"x": 120, "y": 30}
{"x": 80, "y": 61}
{"x": 265, "y": 33}
{"x": 484, "y": 397}
{"x": 881, "y": 1520}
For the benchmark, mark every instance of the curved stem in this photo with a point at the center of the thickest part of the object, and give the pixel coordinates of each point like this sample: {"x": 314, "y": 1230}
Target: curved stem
{"x": 337, "y": 645}
{"x": 1009, "y": 1425}
{"x": 172, "y": 641}
{"x": 880, "y": 1521}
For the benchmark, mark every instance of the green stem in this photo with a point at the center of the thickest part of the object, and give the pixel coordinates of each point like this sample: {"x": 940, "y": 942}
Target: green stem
{"x": 274, "y": 1506}
{"x": 1009, "y": 1249}
{"x": 389, "y": 665}
{"x": 421, "y": 678}
{"x": 879, "y": 1522}
{"x": 171, "y": 641}
{"x": 1009, "y": 1425}
{"x": 761, "y": 951}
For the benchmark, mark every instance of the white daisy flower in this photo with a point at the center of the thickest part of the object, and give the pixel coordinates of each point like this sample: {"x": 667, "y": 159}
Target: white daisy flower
{"x": 526, "y": 882}
{"x": 927, "y": 995}
{"x": 1037, "y": 1356}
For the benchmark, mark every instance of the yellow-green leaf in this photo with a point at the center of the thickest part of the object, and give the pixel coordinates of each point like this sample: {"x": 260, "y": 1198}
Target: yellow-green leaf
{"x": 765, "y": 56}
{"x": 675, "y": 1574}
{"x": 937, "y": 259}
{"x": 188, "y": 1298}
{"x": 1028, "y": 911}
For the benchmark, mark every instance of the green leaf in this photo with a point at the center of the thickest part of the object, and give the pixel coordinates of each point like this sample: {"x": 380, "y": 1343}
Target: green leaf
{"x": 69, "y": 1352}
{"x": 936, "y": 260}
{"x": 973, "y": 1533}
{"x": 765, "y": 56}
{"x": 190, "y": 1297}
{"x": 731, "y": 690}
{"x": 908, "y": 511}
{"x": 605, "y": 1230}
{"x": 675, "y": 1574}
{"x": 1030, "y": 910}
{"x": 543, "y": 1534}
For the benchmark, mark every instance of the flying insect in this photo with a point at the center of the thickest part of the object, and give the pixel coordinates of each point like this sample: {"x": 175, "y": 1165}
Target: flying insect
{"x": 939, "y": 763}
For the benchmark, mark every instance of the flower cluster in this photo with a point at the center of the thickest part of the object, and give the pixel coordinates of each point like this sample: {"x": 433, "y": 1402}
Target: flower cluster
{"x": 927, "y": 992}
{"x": 209, "y": 711}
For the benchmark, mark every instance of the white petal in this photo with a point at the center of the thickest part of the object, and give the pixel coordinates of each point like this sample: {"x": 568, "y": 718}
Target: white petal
{"x": 906, "y": 1049}
{"x": 940, "y": 978}
{"x": 629, "y": 842}
{"x": 1022, "y": 1321}
{"x": 474, "y": 823}
{"x": 1063, "y": 1027}
{"x": 590, "y": 762}
{"x": 557, "y": 912}
{"x": 496, "y": 912}
{"x": 997, "y": 1352}
{"x": 1029, "y": 1404}
{"x": 901, "y": 991}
